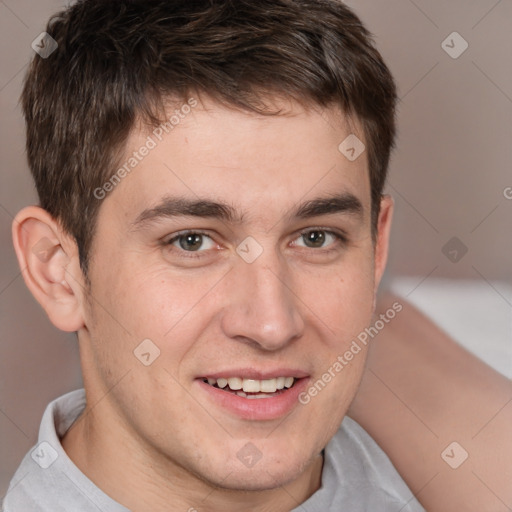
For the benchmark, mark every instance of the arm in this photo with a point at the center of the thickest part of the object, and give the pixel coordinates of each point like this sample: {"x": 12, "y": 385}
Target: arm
{"x": 420, "y": 392}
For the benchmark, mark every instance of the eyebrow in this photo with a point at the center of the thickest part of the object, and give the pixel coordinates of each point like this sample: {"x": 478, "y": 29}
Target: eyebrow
{"x": 340, "y": 203}
{"x": 169, "y": 207}
{"x": 184, "y": 207}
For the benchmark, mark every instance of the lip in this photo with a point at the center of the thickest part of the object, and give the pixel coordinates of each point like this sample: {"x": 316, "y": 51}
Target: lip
{"x": 263, "y": 409}
{"x": 251, "y": 373}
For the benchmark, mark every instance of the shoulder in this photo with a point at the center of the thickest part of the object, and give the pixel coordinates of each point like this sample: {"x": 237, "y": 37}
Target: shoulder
{"x": 47, "y": 480}
{"x": 358, "y": 465}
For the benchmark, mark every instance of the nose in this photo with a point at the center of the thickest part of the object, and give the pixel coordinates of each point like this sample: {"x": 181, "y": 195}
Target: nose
{"x": 262, "y": 308}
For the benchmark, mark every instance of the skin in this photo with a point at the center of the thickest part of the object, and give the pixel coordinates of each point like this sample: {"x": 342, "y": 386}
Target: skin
{"x": 420, "y": 392}
{"x": 295, "y": 306}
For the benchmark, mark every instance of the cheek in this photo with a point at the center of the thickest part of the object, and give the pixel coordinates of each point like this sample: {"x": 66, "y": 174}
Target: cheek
{"x": 170, "y": 310}
{"x": 342, "y": 308}
{"x": 151, "y": 301}
{"x": 342, "y": 296}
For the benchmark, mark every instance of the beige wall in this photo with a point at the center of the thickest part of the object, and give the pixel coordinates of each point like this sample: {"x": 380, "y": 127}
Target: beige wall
{"x": 448, "y": 176}
{"x": 454, "y": 159}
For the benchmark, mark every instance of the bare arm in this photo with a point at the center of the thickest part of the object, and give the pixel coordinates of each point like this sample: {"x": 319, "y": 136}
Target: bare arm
{"x": 422, "y": 391}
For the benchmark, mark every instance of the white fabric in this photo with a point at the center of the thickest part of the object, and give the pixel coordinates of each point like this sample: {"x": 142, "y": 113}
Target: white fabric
{"x": 476, "y": 313}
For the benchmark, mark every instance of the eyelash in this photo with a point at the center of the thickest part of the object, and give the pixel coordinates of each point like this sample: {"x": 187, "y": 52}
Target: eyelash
{"x": 187, "y": 254}
{"x": 341, "y": 239}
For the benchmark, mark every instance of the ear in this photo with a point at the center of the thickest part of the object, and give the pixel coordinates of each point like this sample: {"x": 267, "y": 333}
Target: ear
{"x": 48, "y": 258}
{"x": 383, "y": 235}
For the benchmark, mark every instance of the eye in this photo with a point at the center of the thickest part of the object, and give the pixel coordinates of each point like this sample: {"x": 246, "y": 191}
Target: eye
{"x": 192, "y": 241}
{"x": 318, "y": 239}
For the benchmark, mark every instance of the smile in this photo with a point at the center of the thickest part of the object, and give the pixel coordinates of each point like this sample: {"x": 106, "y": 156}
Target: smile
{"x": 252, "y": 398}
{"x": 252, "y": 388}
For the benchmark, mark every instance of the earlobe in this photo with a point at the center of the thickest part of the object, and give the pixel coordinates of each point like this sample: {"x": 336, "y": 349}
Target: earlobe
{"x": 383, "y": 235}
{"x": 49, "y": 263}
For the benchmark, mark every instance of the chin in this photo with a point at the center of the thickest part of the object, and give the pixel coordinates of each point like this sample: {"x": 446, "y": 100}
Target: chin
{"x": 260, "y": 476}
{"x": 263, "y": 479}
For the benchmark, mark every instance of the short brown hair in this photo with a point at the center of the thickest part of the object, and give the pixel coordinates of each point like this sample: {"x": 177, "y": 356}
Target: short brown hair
{"x": 118, "y": 60}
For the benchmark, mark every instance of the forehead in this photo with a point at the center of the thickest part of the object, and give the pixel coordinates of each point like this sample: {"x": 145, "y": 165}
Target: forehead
{"x": 207, "y": 150}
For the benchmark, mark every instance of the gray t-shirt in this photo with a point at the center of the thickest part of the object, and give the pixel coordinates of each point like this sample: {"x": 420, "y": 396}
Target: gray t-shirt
{"x": 357, "y": 476}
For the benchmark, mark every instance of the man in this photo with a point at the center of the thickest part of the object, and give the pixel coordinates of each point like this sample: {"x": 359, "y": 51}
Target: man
{"x": 212, "y": 226}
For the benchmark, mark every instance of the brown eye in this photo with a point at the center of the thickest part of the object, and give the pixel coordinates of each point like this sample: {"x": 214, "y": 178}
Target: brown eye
{"x": 314, "y": 238}
{"x": 192, "y": 242}
{"x": 317, "y": 238}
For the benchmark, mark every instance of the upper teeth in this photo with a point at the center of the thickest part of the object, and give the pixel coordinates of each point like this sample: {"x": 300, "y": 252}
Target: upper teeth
{"x": 253, "y": 386}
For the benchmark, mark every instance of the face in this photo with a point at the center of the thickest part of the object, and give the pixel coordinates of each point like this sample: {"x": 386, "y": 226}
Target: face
{"x": 239, "y": 248}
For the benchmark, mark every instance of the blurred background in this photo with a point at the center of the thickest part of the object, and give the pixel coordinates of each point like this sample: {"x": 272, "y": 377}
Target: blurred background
{"x": 451, "y": 178}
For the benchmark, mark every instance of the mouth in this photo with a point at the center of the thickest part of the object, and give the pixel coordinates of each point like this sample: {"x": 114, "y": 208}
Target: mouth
{"x": 252, "y": 388}
{"x": 250, "y": 398}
